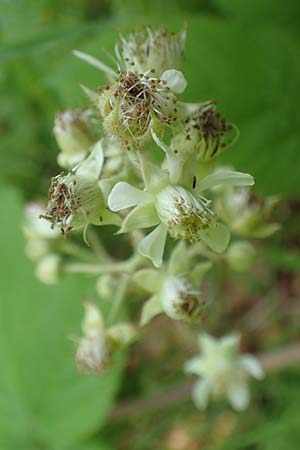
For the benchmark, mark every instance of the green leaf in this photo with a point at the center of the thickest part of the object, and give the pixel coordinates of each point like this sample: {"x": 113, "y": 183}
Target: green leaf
{"x": 246, "y": 69}
{"x": 42, "y": 397}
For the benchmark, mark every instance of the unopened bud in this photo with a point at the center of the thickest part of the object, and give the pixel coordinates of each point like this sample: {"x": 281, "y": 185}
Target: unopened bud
{"x": 75, "y": 134}
{"x": 241, "y": 256}
{"x": 156, "y": 50}
{"x": 48, "y": 269}
{"x": 180, "y": 300}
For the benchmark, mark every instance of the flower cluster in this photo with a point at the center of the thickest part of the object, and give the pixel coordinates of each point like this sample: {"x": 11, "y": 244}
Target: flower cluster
{"x": 143, "y": 160}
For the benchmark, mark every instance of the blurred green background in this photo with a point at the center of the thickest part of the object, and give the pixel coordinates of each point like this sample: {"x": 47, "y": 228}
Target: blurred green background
{"x": 246, "y": 55}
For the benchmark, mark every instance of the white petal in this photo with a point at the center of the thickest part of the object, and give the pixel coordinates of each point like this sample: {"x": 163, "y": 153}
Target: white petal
{"x": 95, "y": 63}
{"x": 200, "y": 393}
{"x": 216, "y": 236}
{"x": 238, "y": 395}
{"x": 142, "y": 216}
{"x": 155, "y": 179}
{"x": 91, "y": 167}
{"x": 207, "y": 343}
{"x": 194, "y": 366}
{"x": 149, "y": 279}
{"x": 251, "y": 365}
{"x": 225, "y": 177}
{"x": 175, "y": 80}
{"x": 153, "y": 245}
{"x": 124, "y": 195}
{"x": 230, "y": 344}
{"x": 174, "y": 163}
{"x": 107, "y": 217}
{"x": 151, "y": 308}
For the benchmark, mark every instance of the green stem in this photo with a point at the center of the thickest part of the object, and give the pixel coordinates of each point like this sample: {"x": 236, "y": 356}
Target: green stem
{"x": 118, "y": 299}
{"x": 128, "y": 266}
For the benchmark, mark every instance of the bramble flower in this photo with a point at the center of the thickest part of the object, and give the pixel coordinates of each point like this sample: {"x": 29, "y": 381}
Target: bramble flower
{"x": 174, "y": 288}
{"x": 176, "y": 210}
{"x": 96, "y": 347}
{"x": 223, "y": 371}
{"x": 136, "y": 103}
{"x": 75, "y": 134}
{"x": 205, "y": 134}
{"x": 151, "y": 49}
{"x": 76, "y": 200}
{"x": 246, "y": 214}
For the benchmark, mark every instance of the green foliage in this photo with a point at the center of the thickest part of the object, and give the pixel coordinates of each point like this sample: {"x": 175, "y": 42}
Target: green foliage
{"x": 44, "y": 402}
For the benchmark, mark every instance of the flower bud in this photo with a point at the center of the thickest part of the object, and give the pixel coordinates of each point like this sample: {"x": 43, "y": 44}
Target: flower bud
{"x": 241, "y": 256}
{"x": 74, "y": 201}
{"x": 205, "y": 135}
{"x": 156, "y": 50}
{"x": 75, "y": 134}
{"x": 105, "y": 285}
{"x": 93, "y": 355}
{"x": 135, "y": 104}
{"x": 48, "y": 269}
{"x": 246, "y": 213}
{"x": 183, "y": 214}
{"x": 180, "y": 300}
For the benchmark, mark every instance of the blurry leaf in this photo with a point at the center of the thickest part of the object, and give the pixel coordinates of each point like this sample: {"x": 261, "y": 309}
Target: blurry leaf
{"x": 254, "y": 74}
{"x": 283, "y": 259}
{"x": 43, "y": 400}
{"x": 263, "y": 12}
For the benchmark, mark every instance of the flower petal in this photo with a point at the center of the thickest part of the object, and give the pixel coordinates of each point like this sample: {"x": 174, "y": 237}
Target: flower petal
{"x": 207, "y": 343}
{"x": 124, "y": 195}
{"x": 194, "y": 366}
{"x": 175, "y": 80}
{"x": 174, "y": 162}
{"x": 155, "y": 179}
{"x": 91, "y": 167}
{"x": 151, "y": 308}
{"x": 217, "y": 237}
{"x": 153, "y": 245}
{"x": 251, "y": 365}
{"x": 142, "y": 216}
{"x": 149, "y": 279}
{"x": 200, "y": 393}
{"x": 107, "y": 217}
{"x": 225, "y": 177}
{"x": 238, "y": 395}
{"x": 230, "y": 344}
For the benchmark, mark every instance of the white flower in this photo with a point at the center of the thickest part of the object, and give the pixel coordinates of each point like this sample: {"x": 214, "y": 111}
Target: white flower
{"x": 75, "y": 199}
{"x": 75, "y": 135}
{"x": 174, "y": 288}
{"x": 149, "y": 49}
{"x": 185, "y": 215}
{"x": 246, "y": 213}
{"x": 135, "y": 103}
{"x": 205, "y": 135}
{"x": 96, "y": 347}
{"x": 223, "y": 371}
